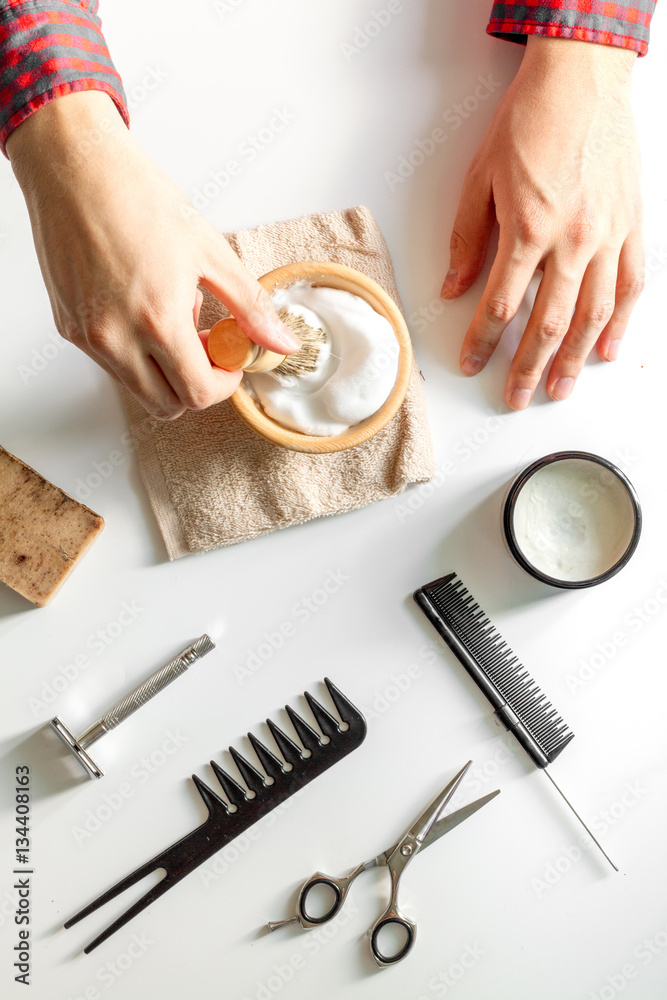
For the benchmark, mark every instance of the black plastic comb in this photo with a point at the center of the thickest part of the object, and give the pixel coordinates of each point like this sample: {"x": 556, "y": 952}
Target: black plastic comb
{"x": 221, "y": 826}
{"x": 518, "y": 701}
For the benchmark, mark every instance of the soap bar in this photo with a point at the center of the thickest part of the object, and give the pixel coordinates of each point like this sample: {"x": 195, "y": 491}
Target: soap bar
{"x": 44, "y": 532}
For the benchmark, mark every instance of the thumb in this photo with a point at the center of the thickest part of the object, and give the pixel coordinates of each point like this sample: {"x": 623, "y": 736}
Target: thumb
{"x": 475, "y": 218}
{"x": 248, "y": 302}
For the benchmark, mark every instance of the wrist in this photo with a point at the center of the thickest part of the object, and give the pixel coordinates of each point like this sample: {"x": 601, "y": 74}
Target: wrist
{"x": 581, "y": 65}
{"x": 61, "y": 134}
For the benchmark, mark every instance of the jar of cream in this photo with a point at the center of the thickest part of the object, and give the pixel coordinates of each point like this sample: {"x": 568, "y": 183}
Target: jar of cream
{"x": 572, "y": 519}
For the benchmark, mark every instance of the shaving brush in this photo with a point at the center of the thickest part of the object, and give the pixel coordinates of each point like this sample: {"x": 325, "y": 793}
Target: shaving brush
{"x": 232, "y": 349}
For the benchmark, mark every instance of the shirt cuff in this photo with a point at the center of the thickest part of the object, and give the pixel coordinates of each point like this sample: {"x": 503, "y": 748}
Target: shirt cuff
{"x": 49, "y": 48}
{"x": 583, "y": 20}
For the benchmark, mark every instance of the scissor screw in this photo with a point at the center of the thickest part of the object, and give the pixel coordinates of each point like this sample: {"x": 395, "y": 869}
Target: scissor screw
{"x": 406, "y": 850}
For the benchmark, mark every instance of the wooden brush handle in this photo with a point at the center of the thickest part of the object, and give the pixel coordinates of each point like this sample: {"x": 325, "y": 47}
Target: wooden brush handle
{"x": 232, "y": 349}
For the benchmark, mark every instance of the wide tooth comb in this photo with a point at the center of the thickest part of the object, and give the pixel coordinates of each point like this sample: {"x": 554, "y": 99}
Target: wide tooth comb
{"x": 287, "y": 747}
{"x": 272, "y": 766}
{"x": 250, "y": 775}
{"x": 326, "y": 722}
{"x": 236, "y": 795}
{"x": 215, "y": 805}
{"x": 348, "y": 713}
{"x": 222, "y": 824}
{"x": 308, "y": 736}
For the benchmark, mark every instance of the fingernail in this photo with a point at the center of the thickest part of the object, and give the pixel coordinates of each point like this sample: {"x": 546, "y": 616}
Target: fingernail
{"x": 471, "y": 365}
{"x": 450, "y": 283}
{"x": 520, "y": 398}
{"x": 562, "y": 388}
{"x": 612, "y": 350}
{"x": 287, "y": 337}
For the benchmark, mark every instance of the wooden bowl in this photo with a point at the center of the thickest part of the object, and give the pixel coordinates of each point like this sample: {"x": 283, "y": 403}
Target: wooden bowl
{"x": 346, "y": 278}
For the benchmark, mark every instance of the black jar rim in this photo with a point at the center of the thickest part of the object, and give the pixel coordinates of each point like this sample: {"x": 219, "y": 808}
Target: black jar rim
{"x": 510, "y": 504}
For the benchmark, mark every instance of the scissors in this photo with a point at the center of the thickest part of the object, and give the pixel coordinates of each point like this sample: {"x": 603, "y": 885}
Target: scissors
{"x": 426, "y": 829}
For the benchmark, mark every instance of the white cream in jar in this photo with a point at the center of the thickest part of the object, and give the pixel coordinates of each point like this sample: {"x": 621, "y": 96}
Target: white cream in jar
{"x": 573, "y": 520}
{"x": 356, "y": 367}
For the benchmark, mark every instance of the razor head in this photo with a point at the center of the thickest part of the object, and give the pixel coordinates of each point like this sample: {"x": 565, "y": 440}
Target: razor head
{"x": 71, "y": 742}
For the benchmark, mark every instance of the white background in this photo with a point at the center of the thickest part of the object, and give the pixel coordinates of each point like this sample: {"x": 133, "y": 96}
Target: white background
{"x": 507, "y": 906}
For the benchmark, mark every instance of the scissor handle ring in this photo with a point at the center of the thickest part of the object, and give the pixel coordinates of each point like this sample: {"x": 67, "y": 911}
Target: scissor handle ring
{"x": 379, "y": 956}
{"x": 333, "y": 909}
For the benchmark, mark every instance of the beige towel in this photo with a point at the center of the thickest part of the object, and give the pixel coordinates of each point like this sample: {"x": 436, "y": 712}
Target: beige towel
{"x": 213, "y": 481}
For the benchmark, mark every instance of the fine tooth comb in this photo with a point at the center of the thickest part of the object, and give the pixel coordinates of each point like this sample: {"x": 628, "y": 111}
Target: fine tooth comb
{"x": 519, "y": 703}
{"x": 221, "y": 826}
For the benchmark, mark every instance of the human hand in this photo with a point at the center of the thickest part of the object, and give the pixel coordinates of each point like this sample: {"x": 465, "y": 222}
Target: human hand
{"x": 559, "y": 170}
{"x": 122, "y": 253}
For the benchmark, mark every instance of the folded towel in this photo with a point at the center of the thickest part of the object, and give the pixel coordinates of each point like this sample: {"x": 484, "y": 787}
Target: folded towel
{"x": 213, "y": 481}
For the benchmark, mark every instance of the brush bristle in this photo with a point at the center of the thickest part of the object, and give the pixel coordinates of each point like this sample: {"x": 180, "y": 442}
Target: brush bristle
{"x": 305, "y": 359}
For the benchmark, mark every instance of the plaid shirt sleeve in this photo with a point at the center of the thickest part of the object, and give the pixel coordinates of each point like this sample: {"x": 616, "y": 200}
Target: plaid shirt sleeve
{"x": 585, "y": 20}
{"x": 49, "y": 48}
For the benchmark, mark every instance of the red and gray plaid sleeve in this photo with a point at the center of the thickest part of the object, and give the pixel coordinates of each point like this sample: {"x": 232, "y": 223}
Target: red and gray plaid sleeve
{"x": 49, "y": 48}
{"x": 585, "y": 20}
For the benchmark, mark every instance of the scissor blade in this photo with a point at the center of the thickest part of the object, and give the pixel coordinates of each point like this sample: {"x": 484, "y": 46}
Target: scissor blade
{"x": 448, "y": 822}
{"x": 421, "y": 826}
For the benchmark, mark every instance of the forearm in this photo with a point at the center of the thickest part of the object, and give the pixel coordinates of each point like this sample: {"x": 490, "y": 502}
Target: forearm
{"x": 50, "y": 48}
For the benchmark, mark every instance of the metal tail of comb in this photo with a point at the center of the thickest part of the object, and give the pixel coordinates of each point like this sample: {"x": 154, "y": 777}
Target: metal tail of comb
{"x": 222, "y": 826}
{"x": 519, "y": 702}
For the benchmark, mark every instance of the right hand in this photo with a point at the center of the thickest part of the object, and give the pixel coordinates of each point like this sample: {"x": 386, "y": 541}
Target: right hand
{"x": 122, "y": 253}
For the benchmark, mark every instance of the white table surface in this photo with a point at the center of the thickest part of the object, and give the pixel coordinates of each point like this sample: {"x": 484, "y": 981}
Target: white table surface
{"x": 507, "y": 906}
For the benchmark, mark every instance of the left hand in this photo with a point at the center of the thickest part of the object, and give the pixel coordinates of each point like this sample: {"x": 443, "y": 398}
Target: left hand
{"x": 558, "y": 169}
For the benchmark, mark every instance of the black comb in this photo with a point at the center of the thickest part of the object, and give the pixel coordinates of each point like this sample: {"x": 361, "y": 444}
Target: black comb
{"x": 519, "y": 703}
{"x": 221, "y": 826}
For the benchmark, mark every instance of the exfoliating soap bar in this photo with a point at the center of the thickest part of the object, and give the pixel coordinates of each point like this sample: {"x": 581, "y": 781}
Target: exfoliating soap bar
{"x": 43, "y": 531}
